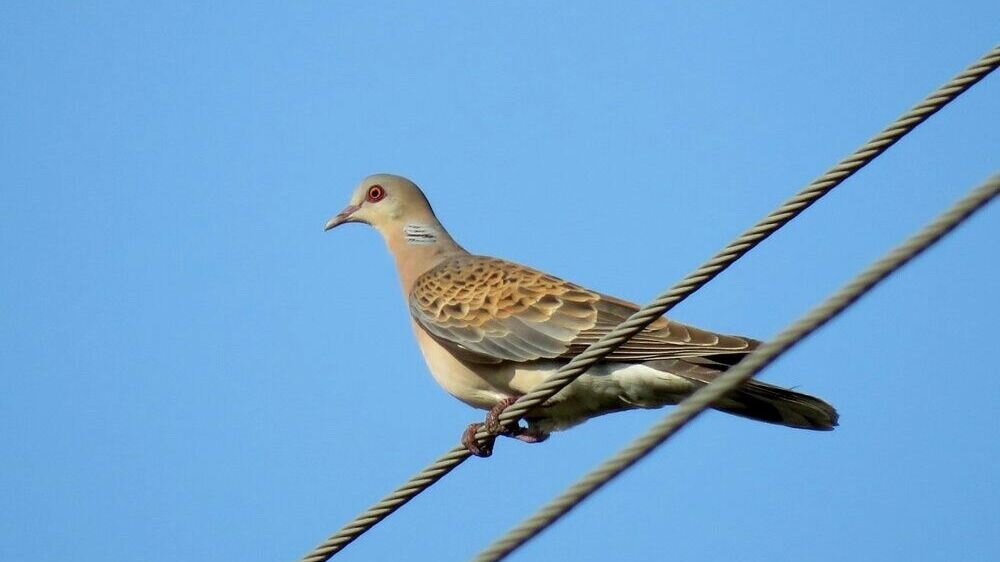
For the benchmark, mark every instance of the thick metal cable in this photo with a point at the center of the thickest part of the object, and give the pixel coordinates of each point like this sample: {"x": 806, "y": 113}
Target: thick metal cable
{"x": 735, "y": 250}
{"x": 742, "y": 372}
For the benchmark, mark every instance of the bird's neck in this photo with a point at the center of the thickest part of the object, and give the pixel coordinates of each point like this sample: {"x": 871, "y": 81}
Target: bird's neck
{"x": 418, "y": 246}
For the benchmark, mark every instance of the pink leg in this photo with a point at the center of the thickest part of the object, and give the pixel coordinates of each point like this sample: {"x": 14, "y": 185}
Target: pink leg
{"x": 474, "y": 447}
{"x": 529, "y": 435}
{"x": 493, "y": 426}
{"x": 492, "y": 422}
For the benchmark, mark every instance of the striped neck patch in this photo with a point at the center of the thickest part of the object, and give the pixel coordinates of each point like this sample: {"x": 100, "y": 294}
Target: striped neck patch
{"x": 420, "y": 234}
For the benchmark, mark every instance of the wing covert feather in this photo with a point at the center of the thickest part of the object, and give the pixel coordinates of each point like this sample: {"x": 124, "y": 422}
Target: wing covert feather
{"x": 501, "y": 310}
{"x": 490, "y": 310}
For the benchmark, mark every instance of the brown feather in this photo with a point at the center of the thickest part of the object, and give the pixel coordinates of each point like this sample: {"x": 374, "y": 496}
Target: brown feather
{"x": 493, "y": 310}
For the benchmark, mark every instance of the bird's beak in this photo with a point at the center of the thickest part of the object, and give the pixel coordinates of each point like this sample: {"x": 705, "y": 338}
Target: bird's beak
{"x": 342, "y": 217}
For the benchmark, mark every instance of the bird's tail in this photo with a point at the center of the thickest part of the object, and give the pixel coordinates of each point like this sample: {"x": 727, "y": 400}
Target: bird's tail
{"x": 754, "y": 399}
{"x": 773, "y": 404}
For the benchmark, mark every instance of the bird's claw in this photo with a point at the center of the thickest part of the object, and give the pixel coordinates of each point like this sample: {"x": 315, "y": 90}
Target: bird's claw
{"x": 493, "y": 426}
{"x": 477, "y": 448}
{"x": 492, "y": 421}
{"x": 529, "y": 435}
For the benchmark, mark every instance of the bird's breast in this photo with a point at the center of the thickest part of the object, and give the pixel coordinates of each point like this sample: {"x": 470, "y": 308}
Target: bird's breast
{"x": 472, "y": 383}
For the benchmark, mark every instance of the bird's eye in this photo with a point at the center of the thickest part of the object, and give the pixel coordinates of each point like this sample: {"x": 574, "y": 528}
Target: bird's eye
{"x": 376, "y": 193}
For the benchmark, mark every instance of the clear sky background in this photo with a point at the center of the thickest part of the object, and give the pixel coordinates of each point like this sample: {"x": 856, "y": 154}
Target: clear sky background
{"x": 193, "y": 370}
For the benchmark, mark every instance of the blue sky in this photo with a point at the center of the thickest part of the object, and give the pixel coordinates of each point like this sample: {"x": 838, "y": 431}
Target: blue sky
{"x": 192, "y": 370}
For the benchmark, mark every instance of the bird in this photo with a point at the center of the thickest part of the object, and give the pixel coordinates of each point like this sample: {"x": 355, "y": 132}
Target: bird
{"x": 490, "y": 330}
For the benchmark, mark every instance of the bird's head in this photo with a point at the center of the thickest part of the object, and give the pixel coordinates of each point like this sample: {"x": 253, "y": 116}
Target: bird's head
{"x": 386, "y": 202}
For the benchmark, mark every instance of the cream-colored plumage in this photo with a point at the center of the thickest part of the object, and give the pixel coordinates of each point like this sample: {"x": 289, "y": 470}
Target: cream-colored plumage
{"x": 490, "y": 329}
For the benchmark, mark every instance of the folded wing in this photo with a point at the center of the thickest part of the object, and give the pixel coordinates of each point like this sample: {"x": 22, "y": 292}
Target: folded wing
{"x": 489, "y": 310}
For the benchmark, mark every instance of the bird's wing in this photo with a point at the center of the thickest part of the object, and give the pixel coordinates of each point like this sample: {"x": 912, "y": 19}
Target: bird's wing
{"x": 663, "y": 339}
{"x": 490, "y": 310}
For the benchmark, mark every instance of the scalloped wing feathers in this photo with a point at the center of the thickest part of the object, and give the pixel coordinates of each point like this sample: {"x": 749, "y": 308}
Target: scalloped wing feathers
{"x": 489, "y": 310}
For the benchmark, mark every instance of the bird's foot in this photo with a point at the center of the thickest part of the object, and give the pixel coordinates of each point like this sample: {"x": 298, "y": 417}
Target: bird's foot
{"x": 493, "y": 426}
{"x": 530, "y": 435}
{"x": 492, "y": 422}
{"x": 478, "y": 449}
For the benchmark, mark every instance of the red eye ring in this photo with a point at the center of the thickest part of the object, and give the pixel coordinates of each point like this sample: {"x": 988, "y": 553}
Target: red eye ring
{"x": 376, "y": 193}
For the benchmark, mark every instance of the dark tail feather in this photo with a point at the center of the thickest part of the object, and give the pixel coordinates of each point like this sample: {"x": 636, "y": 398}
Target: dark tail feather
{"x": 773, "y": 404}
{"x": 755, "y": 400}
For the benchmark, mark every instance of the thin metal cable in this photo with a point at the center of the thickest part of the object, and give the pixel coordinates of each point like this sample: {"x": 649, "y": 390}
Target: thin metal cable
{"x": 735, "y": 250}
{"x": 742, "y": 372}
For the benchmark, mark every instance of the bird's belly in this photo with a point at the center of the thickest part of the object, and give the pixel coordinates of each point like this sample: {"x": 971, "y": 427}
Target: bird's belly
{"x": 605, "y": 388}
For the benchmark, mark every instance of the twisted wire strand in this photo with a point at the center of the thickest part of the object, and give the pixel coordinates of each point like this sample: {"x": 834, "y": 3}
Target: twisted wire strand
{"x": 749, "y": 239}
{"x": 742, "y": 372}
{"x": 695, "y": 280}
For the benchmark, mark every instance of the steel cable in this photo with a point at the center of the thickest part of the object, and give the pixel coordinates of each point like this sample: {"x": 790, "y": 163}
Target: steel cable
{"x": 695, "y": 280}
{"x": 742, "y": 372}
